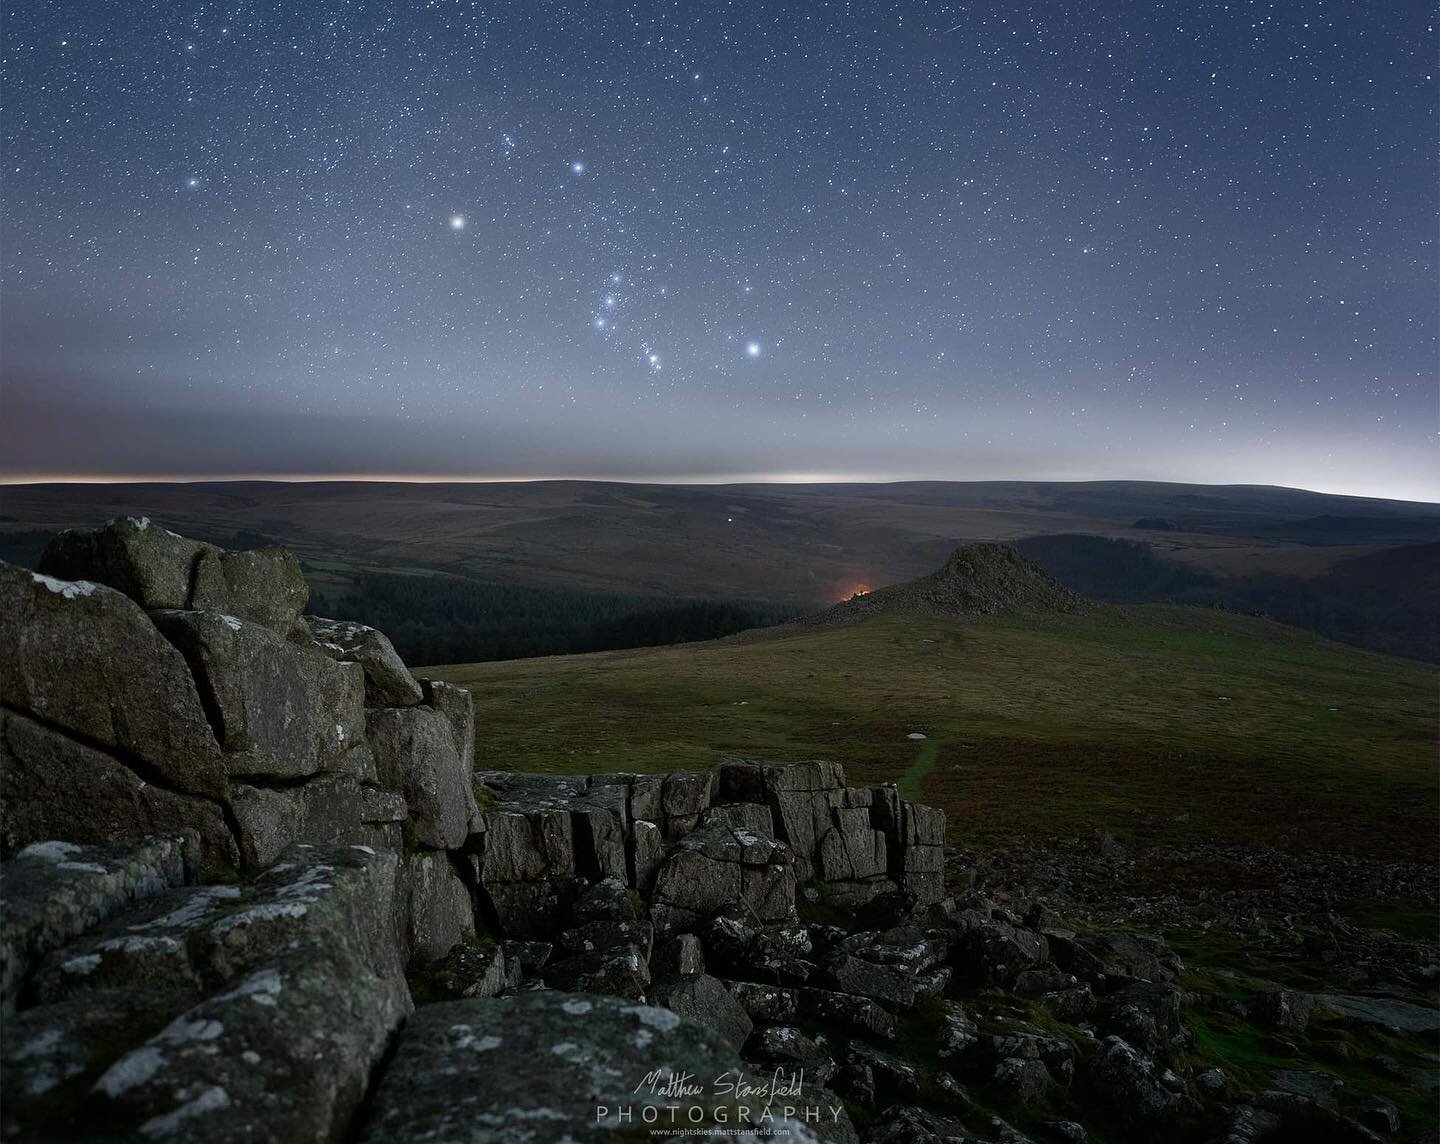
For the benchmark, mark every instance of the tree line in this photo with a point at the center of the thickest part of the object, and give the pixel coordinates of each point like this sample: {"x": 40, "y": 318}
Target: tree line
{"x": 447, "y": 619}
{"x": 1387, "y": 601}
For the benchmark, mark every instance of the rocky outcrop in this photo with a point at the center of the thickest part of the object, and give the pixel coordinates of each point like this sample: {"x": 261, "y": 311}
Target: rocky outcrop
{"x": 749, "y": 838}
{"x": 166, "y": 684}
{"x": 976, "y": 580}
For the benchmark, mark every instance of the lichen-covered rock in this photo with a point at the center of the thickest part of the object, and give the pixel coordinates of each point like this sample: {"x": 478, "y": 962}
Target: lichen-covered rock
{"x": 922, "y": 873}
{"x": 779, "y": 954}
{"x": 523, "y": 848}
{"x": 536, "y": 910}
{"x": 415, "y": 753}
{"x": 284, "y": 1053}
{"x": 701, "y": 876}
{"x": 456, "y": 704}
{"x": 705, "y": 1000}
{"x": 601, "y": 824}
{"x": 1147, "y": 1015}
{"x": 1020, "y": 1039}
{"x": 281, "y": 710}
{"x": 615, "y": 971}
{"x": 150, "y": 564}
{"x": 765, "y": 1002}
{"x": 228, "y": 1012}
{"x": 999, "y": 951}
{"x": 329, "y": 895}
{"x": 607, "y": 1061}
{"x": 468, "y": 970}
{"x": 1134, "y": 1085}
{"x": 51, "y": 1053}
{"x": 799, "y": 794}
{"x": 873, "y": 1073}
{"x": 647, "y": 851}
{"x": 892, "y": 987}
{"x": 53, "y": 891}
{"x": 1020, "y": 1081}
{"x": 526, "y": 960}
{"x": 859, "y": 1013}
{"x": 388, "y": 682}
{"x": 1121, "y": 953}
{"x": 715, "y": 868}
{"x": 684, "y": 796}
{"x": 262, "y": 585}
{"x": 83, "y": 658}
{"x": 783, "y": 1044}
{"x": 753, "y": 817}
{"x": 440, "y": 911}
{"x": 159, "y": 942}
{"x": 644, "y": 793}
{"x": 53, "y": 786}
{"x": 681, "y": 954}
{"x": 851, "y": 850}
{"x": 956, "y": 1034}
{"x": 608, "y": 935}
{"x": 328, "y": 809}
{"x": 609, "y": 900}
{"x": 856, "y": 896}
{"x": 909, "y": 1124}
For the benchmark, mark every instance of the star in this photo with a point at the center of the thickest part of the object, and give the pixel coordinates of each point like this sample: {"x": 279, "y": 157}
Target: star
{"x": 577, "y": 168}
{"x": 753, "y": 349}
{"x": 457, "y": 222}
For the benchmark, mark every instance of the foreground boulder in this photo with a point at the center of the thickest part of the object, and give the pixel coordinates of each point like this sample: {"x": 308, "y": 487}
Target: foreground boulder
{"x": 282, "y": 711}
{"x": 150, "y": 564}
{"x": 230, "y": 1012}
{"x": 53, "y": 787}
{"x": 388, "y": 682}
{"x": 467, "y": 1070}
{"x": 52, "y": 892}
{"x": 89, "y": 663}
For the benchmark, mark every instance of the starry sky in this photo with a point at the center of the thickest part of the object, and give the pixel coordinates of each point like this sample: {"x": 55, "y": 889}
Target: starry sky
{"x": 708, "y": 240}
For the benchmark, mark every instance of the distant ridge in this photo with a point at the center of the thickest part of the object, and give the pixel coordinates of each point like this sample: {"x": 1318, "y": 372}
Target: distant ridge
{"x": 977, "y": 579}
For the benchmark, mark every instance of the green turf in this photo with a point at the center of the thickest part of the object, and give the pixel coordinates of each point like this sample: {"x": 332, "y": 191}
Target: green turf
{"x": 912, "y": 782}
{"x": 1155, "y": 718}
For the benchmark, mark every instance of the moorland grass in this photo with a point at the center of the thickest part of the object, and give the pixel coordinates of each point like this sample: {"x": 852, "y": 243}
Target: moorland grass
{"x": 1162, "y": 720}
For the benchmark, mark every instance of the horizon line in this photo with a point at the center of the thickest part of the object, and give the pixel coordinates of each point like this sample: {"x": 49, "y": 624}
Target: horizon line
{"x": 25, "y": 480}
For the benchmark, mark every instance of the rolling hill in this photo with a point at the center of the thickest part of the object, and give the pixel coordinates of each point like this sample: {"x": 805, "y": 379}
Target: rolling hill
{"x": 1154, "y": 722}
{"x": 578, "y": 552}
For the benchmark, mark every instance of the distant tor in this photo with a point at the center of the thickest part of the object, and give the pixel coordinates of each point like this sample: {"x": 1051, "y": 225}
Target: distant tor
{"x": 977, "y": 579}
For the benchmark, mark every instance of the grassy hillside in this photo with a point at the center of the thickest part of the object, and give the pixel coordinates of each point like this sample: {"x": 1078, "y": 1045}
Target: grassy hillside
{"x": 1153, "y": 721}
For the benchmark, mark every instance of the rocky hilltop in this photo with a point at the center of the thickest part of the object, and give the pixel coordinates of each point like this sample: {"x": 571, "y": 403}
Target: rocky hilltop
{"x": 976, "y": 580}
{"x": 256, "y": 888}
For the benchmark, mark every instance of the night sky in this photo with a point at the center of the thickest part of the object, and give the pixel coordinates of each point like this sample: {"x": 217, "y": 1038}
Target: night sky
{"x": 703, "y": 240}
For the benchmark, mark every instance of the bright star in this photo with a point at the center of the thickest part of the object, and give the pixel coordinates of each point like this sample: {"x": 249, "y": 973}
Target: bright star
{"x": 192, "y": 181}
{"x": 753, "y": 349}
{"x": 577, "y": 168}
{"x": 457, "y": 222}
